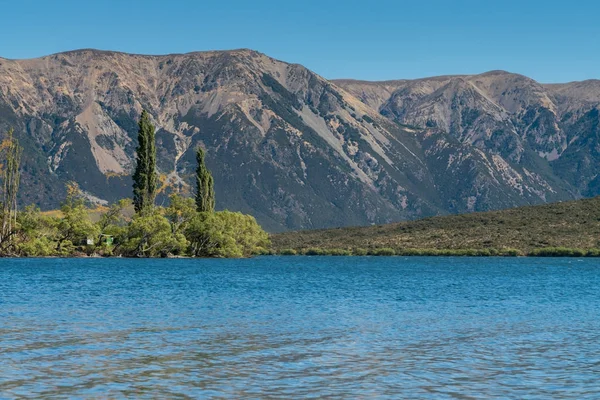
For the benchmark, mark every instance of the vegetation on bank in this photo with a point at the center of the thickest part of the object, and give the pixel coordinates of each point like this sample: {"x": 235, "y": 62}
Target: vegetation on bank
{"x": 543, "y": 252}
{"x": 567, "y": 229}
{"x": 186, "y": 227}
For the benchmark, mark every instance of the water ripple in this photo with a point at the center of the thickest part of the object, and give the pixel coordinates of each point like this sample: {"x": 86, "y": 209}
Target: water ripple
{"x": 300, "y": 328}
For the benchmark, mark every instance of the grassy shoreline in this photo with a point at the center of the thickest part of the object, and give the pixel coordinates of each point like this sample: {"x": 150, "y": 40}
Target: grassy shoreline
{"x": 388, "y": 252}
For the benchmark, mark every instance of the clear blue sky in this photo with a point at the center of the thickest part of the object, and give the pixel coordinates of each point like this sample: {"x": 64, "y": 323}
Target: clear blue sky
{"x": 551, "y": 41}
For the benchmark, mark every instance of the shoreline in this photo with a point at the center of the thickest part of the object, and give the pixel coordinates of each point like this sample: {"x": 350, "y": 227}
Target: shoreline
{"x": 307, "y": 256}
{"x": 390, "y": 252}
{"x": 562, "y": 252}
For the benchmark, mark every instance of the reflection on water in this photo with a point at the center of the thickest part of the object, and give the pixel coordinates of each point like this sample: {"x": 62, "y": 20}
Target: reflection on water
{"x": 300, "y": 327}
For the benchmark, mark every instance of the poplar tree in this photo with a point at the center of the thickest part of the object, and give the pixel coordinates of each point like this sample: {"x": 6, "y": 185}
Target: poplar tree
{"x": 144, "y": 177}
{"x": 10, "y": 175}
{"x": 205, "y": 192}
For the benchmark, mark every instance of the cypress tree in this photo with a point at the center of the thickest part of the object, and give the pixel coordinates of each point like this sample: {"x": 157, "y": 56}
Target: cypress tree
{"x": 144, "y": 177}
{"x": 205, "y": 192}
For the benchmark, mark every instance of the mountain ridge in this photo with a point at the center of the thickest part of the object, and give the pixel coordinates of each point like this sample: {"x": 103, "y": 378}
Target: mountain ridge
{"x": 287, "y": 145}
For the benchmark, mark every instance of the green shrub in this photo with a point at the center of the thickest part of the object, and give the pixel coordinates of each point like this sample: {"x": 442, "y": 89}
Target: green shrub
{"x": 316, "y": 251}
{"x": 557, "y": 252}
{"x": 382, "y": 252}
{"x": 38, "y": 247}
{"x": 511, "y": 252}
{"x": 225, "y": 234}
{"x": 150, "y": 235}
{"x": 313, "y": 252}
{"x": 339, "y": 252}
{"x": 360, "y": 252}
{"x": 288, "y": 252}
{"x": 452, "y": 252}
{"x": 593, "y": 253}
{"x": 261, "y": 251}
{"x": 415, "y": 252}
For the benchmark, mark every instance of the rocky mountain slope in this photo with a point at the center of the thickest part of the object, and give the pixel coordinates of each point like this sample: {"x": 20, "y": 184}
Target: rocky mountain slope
{"x": 292, "y": 148}
{"x": 505, "y": 114}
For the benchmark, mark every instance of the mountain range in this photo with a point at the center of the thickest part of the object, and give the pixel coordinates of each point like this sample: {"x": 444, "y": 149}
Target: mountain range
{"x": 296, "y": 150}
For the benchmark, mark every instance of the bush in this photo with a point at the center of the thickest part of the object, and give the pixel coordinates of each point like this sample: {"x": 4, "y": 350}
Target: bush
{"x": 360, "y": 252}
{"x": 382, "y": 252}
{"x": 593, "y": 253}
{"x": 38, "y": 233}
{"x": 150, "y": 235}
{"x": 75, "y": 227}
{"x": 557, "y": 252}
{"x": 339, "y": 252}
{"x": 510, "y": 253}
{"x": 261, "y": 251}
{"x": 416, "y": 252}
{"x": 313, "y": 252}
{"x": 288, "y": 252}
{"x": 38, "y": 247}
{"x": 225, "y": 234}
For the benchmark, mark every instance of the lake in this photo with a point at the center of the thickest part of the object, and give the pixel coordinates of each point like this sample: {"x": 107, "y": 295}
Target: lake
{"x": 298, "y": 327}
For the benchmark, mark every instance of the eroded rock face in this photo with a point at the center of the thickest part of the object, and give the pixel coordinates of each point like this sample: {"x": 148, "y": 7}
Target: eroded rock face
{"x": 507, "y": 115}
{"x": 288, "y": 146}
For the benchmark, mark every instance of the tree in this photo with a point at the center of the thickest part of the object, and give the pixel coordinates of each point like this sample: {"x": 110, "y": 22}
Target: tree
{"x": 112, "y": 223}
{"x": 114, "y": 215}
{"x": 206, "y": 234}
{"x": 205, "y": 192}
{"x": 180, "y": 212}
{"x": 150, "y": 235}
{"x": 75, "y": 227}
{"x": 145, "y": 177}
{"x": 10, "y": 175}
{"x": 38, "y": 233}
{"x": 225, "y": 234}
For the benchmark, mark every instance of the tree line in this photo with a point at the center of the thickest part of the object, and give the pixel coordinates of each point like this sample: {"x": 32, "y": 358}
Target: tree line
{"x": 186, "y": 227}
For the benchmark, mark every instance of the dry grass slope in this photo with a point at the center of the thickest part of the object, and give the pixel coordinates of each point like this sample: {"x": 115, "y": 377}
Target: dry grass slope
{"x": 552, "y": 229}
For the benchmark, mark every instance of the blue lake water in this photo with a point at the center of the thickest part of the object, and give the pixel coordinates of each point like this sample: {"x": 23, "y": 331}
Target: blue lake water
{"x": 297, "y": 327}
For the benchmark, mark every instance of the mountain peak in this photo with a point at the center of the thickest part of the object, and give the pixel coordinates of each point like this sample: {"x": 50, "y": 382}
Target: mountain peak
{"x": 496, "y": 72}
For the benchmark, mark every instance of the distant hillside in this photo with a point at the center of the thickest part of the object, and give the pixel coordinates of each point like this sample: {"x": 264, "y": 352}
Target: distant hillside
{"x": 573, "y": 224}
